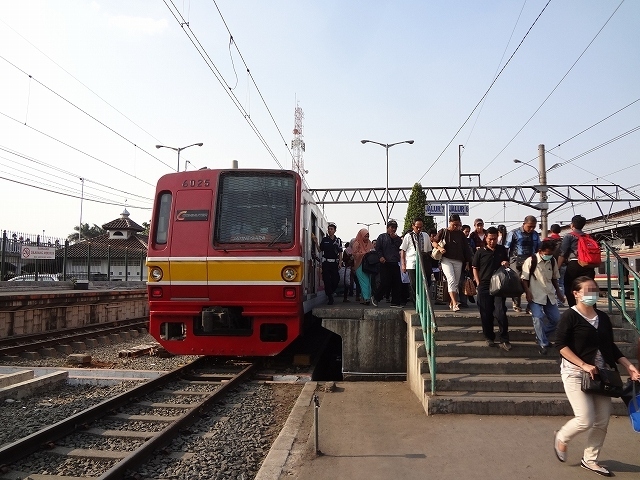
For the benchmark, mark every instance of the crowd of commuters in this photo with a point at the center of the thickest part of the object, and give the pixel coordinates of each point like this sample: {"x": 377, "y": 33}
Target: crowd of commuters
{"x": 552, "y": 271}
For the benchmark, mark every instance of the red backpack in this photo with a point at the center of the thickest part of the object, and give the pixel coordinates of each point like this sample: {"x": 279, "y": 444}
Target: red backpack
{"x": 588, "y": 250}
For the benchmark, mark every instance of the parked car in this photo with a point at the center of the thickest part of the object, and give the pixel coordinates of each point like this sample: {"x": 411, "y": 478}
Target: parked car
{"x": 42, "y": 277}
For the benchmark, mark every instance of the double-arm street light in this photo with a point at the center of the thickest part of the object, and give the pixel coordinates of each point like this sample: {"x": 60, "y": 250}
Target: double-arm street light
{"x": 387, "y": 146}
{"x": 368, "y": 224}
{"x": 179, "y": 150}
{"x": 542, "y": 180}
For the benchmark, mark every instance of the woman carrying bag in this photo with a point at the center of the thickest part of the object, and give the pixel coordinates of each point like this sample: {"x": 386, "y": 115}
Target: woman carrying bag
{"x": 585, "y": 340}
{"x": 360, "y": 247}
{"x": 455, "y": 254}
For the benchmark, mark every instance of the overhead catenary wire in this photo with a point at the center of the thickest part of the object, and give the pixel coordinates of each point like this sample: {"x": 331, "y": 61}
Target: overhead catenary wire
{"x": 70, "y": 195}
{"x": 264, "y": 102}
{"x": 554, "y": 88}
{"x": 83, "y": 111}
{"x": 78, "y": 80}
{"x": 73, "y": 175}
{"x": 205, "y": 56}
{"x": 487, "y": 91}
{"x": 566, "y": 141}
{"x": 76, "y": 149}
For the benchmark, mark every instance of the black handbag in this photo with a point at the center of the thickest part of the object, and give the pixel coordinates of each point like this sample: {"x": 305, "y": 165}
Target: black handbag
{"x": 505, "y": 282}
{"x": 371, "y": 263}
{"x": 605, "y": 382}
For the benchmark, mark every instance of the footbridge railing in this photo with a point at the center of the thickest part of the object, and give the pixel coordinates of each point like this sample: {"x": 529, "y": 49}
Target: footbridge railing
{"x": 620, "y": 280}
{"x": 424, "y": 307}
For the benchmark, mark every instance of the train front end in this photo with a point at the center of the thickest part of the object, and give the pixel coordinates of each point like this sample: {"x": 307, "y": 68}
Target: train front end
{"x": 225, "y": 263}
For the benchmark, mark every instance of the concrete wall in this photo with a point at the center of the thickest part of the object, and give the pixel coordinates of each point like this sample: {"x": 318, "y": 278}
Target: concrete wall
{"x": 39, "y": 312}
{"x": 373, "y": 340}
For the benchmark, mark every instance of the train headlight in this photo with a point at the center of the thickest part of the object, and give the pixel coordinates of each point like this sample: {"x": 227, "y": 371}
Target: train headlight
{"x": 156, "y": 274}
{"x": 289, "y": 274}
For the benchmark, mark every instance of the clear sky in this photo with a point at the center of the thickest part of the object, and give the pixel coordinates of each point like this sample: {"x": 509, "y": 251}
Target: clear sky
{"x": 111, "y": 79}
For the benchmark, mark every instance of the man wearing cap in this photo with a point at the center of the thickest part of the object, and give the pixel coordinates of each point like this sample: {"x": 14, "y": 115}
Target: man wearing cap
{"x": 388, "y": 248}
{"x": 330, "y": 247}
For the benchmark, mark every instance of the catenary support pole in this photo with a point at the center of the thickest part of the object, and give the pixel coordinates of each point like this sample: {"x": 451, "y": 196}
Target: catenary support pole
{"x": 544, "y": 212}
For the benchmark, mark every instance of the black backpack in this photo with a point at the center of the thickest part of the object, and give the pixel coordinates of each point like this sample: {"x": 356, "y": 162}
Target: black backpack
{"x": 371, "y": 263}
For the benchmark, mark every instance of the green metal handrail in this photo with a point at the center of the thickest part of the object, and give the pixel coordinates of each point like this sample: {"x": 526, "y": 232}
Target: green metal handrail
{"x": 424, "y": 307}
{"x": 623, "y": 271}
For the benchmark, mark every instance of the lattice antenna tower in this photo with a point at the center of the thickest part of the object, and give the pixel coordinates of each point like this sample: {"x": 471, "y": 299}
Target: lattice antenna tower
{"x": 297, "y": 144}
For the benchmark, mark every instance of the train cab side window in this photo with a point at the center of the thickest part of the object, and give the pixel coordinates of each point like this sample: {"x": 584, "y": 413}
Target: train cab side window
{"x": 162, "y": 221}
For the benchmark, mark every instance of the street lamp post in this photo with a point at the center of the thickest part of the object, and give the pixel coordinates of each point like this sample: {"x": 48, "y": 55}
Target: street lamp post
{"x": 542, "y": 180}
{"x": 387, "y": 146}
{"x": 179, "y": 150}
{"x": 368, "y": 224}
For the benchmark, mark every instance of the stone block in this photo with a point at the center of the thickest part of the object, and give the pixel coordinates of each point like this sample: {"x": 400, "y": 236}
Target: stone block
{"x": 30, "y": 355}
{"x": 133, "y": 334}
{"x": 78, "y": 346}
{"x": 339, "y": 312}
{"x": 48, "y": 352}
{"x": 79, "y": 359}
{"x": 372, "y": 345}
{"x": 115, "y": 338}
{"x": 104, "y": 340}
{"x": 9, "y": 359}
{"x": 64, "y": 349}
{"x": 143, "y": 331}
{"x": 124, "y": 335}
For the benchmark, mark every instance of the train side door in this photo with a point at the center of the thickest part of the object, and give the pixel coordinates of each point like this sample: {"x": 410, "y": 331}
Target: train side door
{"x": 190, "y": 238}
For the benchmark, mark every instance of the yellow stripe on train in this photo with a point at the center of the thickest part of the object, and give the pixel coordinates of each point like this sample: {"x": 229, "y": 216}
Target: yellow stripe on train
{"x": 227, "y": 270}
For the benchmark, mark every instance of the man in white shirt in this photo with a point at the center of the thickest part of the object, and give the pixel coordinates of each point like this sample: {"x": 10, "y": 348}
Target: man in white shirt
{"x": 540, "y": 278}
{"x": 415, "y": 241}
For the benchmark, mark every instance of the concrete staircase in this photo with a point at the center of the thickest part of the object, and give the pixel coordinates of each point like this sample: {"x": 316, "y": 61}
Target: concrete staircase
{"x": 475, "y": 379}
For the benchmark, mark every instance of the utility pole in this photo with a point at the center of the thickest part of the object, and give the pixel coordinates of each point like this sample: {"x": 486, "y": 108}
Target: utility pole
{"x": 542, "y": 171}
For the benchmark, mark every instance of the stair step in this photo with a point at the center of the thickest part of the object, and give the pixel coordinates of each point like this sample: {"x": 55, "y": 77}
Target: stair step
{"x": 452, "y": 348}
{"x": 483, "y": 403}
{"x": 550, "y": 383}
{"x": 494, "y": 366}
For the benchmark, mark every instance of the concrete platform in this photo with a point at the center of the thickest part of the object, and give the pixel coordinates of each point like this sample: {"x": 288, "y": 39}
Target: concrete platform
{"x": 378, "y": 430}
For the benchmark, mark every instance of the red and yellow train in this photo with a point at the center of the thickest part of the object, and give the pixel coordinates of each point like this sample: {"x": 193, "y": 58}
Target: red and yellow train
{"x": 231, "y": 261}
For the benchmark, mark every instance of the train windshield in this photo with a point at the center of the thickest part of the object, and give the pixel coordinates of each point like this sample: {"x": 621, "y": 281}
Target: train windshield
{"x": 255, "y": 207}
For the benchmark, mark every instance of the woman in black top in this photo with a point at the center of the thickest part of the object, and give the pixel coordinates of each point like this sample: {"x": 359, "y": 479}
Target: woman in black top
{"x": 585, "y": 340}
{"x": 456, "y": 255}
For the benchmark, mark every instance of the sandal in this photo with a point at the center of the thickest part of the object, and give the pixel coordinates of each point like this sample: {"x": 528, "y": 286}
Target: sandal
{"x": 456, "y": 307}
{"x": 562, "y": 456}
{"x": 517, "y": 309}
{"x": 595, "y": 468}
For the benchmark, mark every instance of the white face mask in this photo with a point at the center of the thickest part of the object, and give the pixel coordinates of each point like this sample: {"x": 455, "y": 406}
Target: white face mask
{"x": 589, "y": 299}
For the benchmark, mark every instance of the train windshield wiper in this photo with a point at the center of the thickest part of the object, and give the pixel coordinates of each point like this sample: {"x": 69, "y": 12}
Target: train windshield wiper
{"x": 285, "y": 229}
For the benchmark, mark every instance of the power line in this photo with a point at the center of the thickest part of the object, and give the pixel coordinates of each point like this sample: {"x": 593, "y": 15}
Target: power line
{"x": 69, "y": 195}
{"x": 78, "y": 80}
{"x": 264, "y": 102}
{"x": 488, "y": 89}
{"x": 205, "y": 56}
{"x": 74, "y": 176}
{"x": 76, "y": 149}
{"x": 554, "y": 88}
{"x": 566, "y": 141}
{"x": 31, "y": 77}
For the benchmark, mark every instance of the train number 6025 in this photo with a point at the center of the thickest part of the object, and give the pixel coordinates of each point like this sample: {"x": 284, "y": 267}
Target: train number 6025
{"x": 196, "y": 183}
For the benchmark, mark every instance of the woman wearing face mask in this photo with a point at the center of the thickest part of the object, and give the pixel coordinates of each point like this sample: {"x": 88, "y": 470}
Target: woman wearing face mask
{"x": 585, "y": 340}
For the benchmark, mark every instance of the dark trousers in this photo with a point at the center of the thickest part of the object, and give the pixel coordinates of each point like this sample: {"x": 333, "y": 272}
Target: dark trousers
{"x": 390, "y": 280}
{"x": 330, "y": 277}
{"x": 575, "y": 270}
{"x": 491, "y": 308}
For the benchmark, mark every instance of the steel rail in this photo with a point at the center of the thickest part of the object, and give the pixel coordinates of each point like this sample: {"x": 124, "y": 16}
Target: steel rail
{"x": 42, "y": 340}
{"x": 140, "y": 455}
{"x": 25, "y": 446}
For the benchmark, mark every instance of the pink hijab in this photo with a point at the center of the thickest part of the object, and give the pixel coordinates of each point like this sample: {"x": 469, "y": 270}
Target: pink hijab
{"x": 361, "y": 246}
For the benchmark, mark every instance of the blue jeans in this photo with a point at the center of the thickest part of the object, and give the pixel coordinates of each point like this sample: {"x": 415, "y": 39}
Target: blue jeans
{"x": 543, "y": 330}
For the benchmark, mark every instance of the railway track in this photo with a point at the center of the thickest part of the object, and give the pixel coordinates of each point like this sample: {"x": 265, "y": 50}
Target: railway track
{"x": 123, "y": 432}
{"x": 21, "y": 343}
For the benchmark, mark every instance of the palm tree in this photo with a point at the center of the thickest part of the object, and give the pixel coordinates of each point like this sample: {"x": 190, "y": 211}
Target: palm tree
{"x": 86, "y": 232}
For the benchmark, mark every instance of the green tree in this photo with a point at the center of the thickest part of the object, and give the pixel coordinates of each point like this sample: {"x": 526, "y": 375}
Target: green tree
{"x": 86, "y": 232}
{"x": 146, "y": 226}
{"x": 417, "y": 201}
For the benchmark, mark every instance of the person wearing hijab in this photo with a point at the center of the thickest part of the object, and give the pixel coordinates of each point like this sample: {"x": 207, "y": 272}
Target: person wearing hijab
{"x": 360, "y": 247}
